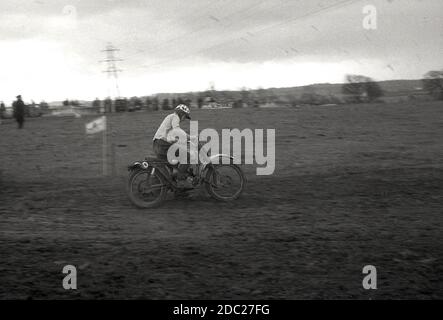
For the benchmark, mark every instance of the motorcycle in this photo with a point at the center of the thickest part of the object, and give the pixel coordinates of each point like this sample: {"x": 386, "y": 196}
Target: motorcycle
{"x": 151, "y": 179}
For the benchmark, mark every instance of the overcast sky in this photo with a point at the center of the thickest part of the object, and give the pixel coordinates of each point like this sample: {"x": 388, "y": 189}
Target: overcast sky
{"x": 50, "y": 49}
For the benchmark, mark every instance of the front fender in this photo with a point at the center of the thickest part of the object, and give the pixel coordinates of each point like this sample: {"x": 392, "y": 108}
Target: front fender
{"x": 219, "y": 157}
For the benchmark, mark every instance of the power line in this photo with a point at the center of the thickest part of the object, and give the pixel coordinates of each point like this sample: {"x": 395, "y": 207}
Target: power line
{"x": 196, "y": 13}
{"x": 204, "y": 27}
{"x": 336, "y": 5}
{"x": 333, "y": 6}
{"x": 112, "y": 70}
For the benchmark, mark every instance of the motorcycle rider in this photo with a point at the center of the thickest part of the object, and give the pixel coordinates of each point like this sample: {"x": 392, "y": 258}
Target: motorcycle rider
{"x": 166, "y": 135}
{"x": 162, "y": 139}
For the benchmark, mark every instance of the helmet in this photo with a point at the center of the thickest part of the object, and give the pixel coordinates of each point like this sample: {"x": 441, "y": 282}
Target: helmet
{"x": 183, "y": 108}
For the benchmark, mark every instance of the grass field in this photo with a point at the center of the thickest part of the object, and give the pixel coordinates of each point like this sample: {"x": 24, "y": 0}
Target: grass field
{"x": 354, "y": 185}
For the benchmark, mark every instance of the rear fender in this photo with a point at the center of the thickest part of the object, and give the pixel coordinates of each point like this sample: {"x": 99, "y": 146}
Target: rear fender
{"x": 138, "y": 165}
{"x": 150, "y": 166}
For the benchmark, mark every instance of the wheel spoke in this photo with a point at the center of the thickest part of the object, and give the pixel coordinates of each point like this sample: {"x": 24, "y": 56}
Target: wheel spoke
{"x": 227, "y": 181}
{"x": 148, "y": 188}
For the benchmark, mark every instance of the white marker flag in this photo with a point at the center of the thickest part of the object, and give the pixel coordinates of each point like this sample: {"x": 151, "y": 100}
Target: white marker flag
{"x": 96, "y": 126}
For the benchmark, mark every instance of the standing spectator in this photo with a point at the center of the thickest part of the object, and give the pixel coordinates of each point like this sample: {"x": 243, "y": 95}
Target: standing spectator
{"x": 2, "y": 110}
{"x": 19, "y": 111}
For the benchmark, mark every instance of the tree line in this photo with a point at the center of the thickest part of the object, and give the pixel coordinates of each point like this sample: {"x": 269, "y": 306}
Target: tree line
{"x": 355, "y": 89}
{"x": 359, "y": 88}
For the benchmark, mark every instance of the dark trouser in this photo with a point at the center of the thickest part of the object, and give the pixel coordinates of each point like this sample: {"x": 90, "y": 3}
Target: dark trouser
{"x": 161, "y": 148}
{"x": 20, "y": 120}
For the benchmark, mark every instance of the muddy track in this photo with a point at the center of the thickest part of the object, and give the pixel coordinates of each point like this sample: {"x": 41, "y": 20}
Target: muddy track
{"x": 292, "y": 237}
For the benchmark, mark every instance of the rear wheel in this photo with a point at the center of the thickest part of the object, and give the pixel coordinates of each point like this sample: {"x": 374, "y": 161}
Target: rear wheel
{"x": 146, "y": 188}
{"x": 225, "y": 182}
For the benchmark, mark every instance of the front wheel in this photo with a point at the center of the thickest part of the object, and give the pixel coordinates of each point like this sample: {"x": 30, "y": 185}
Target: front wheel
{"x": 146, "y": 188}
{"x": 225, "y": 182}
